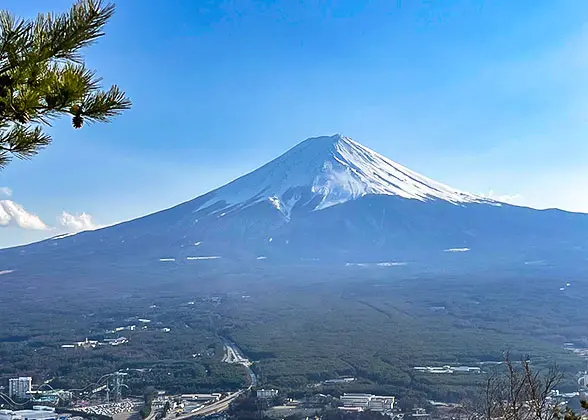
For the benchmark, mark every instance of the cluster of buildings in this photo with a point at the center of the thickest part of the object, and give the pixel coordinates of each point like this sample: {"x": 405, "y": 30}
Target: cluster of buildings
{"x": 448, "y": 369}
{"x": 133, "y": 327}
{"x": 90, "y": 344}
{"x": 127, "y": 328}
{"x": 115, "y": 341}
{"x": 361, "y": 402}
{"x": 37, "y": 413}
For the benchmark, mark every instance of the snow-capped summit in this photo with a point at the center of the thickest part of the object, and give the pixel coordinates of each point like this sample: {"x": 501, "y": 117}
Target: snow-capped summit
{"x": 325, "y": 171}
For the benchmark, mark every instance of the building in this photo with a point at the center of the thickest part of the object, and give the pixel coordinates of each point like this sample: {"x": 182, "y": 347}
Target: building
{"x": 381, "y": 403}
{"x": 87, "y": 343}
{"x": 37, "y": 413}
{"x": 266, "y": 393}
{"x": 202, "y": 397}
{"x": 448, "y": 369}
{"x": 368, "y": 402}
{"x": 467, "y": 369}
{"x": 351, "y": 409}
{"x": 356, "y": 400}
{"x": 19, "y": 387}
{"x": 116, "y": 341}
{"x": 339, "y": 381}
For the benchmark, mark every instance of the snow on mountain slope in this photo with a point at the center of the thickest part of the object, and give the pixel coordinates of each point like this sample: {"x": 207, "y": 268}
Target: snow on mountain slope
{"x": 324, "y": 171}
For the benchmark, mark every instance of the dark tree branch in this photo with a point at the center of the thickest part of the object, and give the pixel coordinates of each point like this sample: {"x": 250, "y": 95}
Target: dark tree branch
{"x": 43, "y": 76}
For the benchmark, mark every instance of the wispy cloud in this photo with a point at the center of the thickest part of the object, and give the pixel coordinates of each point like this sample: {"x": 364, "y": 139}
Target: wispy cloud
{"x": 5, "y": 192}
{"x": 77, "y": 222}
{"x": 13, "y": 214}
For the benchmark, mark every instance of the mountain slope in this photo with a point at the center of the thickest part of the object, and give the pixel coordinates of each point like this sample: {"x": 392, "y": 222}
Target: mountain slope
{"x": 328, "y": 199}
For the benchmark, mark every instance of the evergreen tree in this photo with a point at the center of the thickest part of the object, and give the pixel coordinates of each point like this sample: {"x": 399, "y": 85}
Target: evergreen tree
{"x": 43, "y": 76}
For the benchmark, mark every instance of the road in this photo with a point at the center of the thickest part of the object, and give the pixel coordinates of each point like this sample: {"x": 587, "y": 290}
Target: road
{"x": 232, "y": 355}
{"x": 217, "y": 407}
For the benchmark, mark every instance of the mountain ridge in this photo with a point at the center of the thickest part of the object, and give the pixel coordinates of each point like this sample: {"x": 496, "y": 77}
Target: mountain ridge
{"x": 329, "y": 199}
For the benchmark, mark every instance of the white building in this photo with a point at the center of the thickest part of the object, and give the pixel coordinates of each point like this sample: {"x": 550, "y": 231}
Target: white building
{"x": 87, "y": 343}
{"x": 266, "y": 393}
{"x": 356, "y": 400}
{"x": 381, "y": 403}
{"x": 19, "y": 387}
{"x": 368, "y": 402}
{"x": 202, "y": 397}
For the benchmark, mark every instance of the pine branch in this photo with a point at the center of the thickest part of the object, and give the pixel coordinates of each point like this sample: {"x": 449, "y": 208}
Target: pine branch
{"x": 43, "y": 76}
{"x": 21, "y": 141}
{"x": 65, "y": 86}
{"x": 51, "y": 36}
{"x": 12, "y": 38}
{"x": 103, "y": 105}
{"x": 62, "y": 36}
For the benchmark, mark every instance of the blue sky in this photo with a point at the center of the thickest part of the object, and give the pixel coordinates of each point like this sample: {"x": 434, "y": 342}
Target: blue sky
{"x": 486, "y": 96}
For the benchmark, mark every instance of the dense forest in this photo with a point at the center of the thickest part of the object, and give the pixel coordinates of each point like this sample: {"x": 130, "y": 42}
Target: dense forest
{"x": 299, "y": 326}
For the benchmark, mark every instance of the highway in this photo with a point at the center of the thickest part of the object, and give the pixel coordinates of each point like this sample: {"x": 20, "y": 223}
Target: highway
{"x": 216, "y": 407}
{"x": 232, "y": 355}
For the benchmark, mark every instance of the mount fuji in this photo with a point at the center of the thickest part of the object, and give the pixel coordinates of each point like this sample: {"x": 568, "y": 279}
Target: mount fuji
{"x": 332, "y": 200}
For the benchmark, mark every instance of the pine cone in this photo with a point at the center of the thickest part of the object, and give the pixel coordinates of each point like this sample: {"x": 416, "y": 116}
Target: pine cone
{"x": 77, "y": 121}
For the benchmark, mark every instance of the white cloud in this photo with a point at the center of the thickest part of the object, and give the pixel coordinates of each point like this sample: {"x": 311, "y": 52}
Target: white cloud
{"x": 5, "y": 192}
{"x": 13, "y": 214}
{"x": 77, "y": 223}
{"x": 516, "y": 199}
